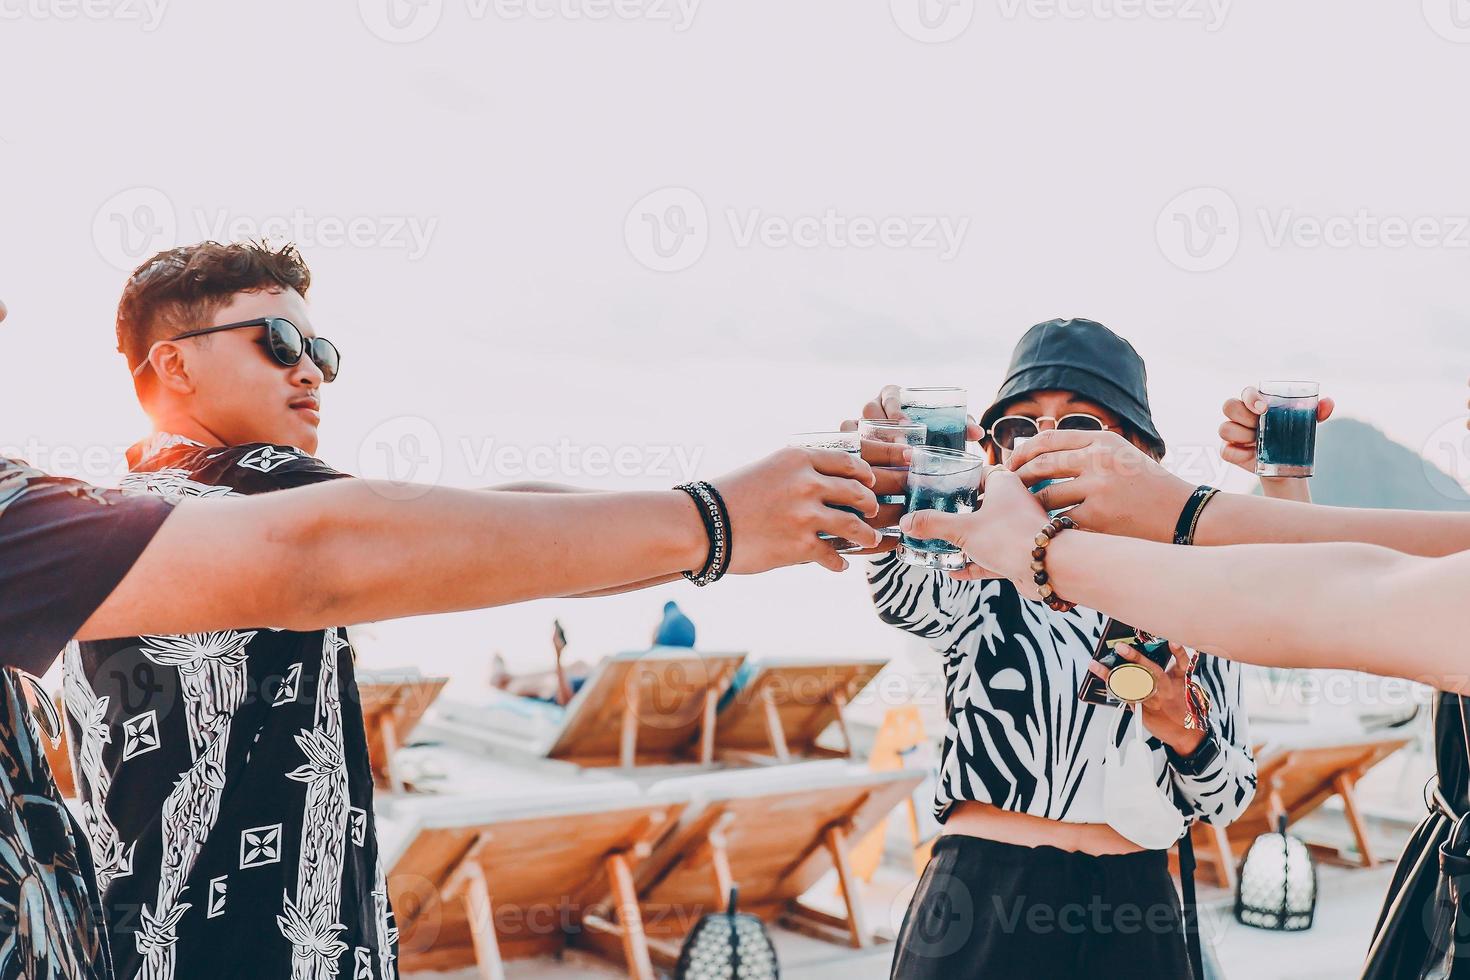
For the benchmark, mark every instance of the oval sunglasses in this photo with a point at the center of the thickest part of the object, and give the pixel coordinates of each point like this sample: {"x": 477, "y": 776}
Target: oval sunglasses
{"x": 1007, "y": 429}
{"x": 284, "y": 341}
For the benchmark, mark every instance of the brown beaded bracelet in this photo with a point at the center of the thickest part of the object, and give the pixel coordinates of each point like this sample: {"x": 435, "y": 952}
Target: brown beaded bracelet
{"x": 1038, "y": 563}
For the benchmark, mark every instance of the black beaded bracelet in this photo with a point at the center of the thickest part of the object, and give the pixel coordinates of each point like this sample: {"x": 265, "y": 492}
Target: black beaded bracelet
{"x": 716, "y": 518}
{"x": 1189, "y": 516}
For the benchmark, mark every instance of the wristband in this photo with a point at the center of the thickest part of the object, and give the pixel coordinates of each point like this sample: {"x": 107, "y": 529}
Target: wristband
{"x": 712, "y": 512}
{"x": 1197, "y": 761}
{"x": 1189, "y": 516}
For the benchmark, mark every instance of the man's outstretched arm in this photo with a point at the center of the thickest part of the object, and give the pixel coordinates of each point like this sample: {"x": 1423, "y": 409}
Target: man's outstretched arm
{"x": 348, "y": 552}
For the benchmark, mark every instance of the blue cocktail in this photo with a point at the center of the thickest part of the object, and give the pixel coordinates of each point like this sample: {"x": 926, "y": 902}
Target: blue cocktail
{"x": 1286, "y": 439}
{"x": 847, "y": 442}
{"x": 943, "y": 412}
{"x": 940, "y": 479}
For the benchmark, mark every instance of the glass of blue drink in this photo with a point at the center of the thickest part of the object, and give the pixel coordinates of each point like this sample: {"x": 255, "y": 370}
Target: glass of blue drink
{"x": 1286, "y": 439}
{"x": 942, "y": 410}
{"x": 882, "y": 440}
{"x": 940, "y": 479}
{"x": 847, "y": 442}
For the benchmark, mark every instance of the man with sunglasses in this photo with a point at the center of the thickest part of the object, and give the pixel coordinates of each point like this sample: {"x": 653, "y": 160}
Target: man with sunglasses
{"x": 1021, "y": 784}
{"x": 232, "y": 828}
{"x": 224, "y": 775}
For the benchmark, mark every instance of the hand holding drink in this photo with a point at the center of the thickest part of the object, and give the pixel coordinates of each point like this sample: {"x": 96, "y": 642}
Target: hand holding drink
{"x": 845, "y": 442}
{"x": 885, "y": 447}
{"x": 887, "y": 437}
{"x": 997, "y": 538}
{"x": 942, "y": 411}
{"x": 942, "y": 480}
{"x": 1245, "y": 429}
{"x": 781, "y": 504}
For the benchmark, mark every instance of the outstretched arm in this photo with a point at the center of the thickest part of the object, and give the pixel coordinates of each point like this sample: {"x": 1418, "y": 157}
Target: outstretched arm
{"x": 353, "y": 551}
{"x": 1350, "y": 606}
{"x": 1117, "y": 489}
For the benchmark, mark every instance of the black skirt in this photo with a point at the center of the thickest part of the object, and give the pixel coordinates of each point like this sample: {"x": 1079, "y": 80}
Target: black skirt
{"x": 996, "y": 911}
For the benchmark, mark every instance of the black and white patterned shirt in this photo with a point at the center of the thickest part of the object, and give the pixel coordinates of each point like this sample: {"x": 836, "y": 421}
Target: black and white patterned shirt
{"x": 225, "y": 780}
{"x": 1018, "y": 737}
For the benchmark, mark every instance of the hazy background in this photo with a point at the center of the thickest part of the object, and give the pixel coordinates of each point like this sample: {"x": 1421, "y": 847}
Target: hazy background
{"x": 1158, "y": 167}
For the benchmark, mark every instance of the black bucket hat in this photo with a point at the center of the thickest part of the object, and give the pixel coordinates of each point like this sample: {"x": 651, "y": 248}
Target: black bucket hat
{"x": 1086, "y": 357}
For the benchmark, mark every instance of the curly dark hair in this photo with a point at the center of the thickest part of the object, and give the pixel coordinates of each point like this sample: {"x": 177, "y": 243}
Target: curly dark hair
{"x": 181, "y": 288}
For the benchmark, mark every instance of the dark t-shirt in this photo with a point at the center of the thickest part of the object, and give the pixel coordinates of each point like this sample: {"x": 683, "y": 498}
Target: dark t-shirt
{"x": 225, "y": 779}
{"x": 64, "y": 547}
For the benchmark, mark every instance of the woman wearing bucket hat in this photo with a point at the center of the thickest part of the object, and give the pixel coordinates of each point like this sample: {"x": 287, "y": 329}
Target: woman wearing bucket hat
{"x": 1333, "y": 594}
{"x": 1310, "y": 593}
{"x": 1041, "y": 870}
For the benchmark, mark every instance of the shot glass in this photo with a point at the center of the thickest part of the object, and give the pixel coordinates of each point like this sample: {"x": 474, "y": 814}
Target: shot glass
{"x": 1286, "y": 439}
{"x": 886, "y": 434}
{"x": 848, "y": 442}
{"x": 942, "y": 410}
{"x": 940, "y": 479}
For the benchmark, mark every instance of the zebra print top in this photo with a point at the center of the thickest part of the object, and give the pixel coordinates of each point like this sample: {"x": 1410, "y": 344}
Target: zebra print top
{"x": 1017, "y": 736}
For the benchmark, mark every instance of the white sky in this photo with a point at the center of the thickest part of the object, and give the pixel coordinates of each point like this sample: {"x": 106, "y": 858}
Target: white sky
{"x": 517, "y": 146}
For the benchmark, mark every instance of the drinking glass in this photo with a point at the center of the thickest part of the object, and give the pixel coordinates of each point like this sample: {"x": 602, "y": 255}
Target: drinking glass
{"x": 847, "y": 442}
{"x": 940, "y": 479}
{"x": 942, "y": 410}
{"x": 890, "y": 433}
{"x": 1286, "y": 439}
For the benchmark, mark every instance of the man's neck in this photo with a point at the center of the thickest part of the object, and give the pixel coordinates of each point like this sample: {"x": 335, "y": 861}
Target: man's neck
{"x": 183, "y": 424}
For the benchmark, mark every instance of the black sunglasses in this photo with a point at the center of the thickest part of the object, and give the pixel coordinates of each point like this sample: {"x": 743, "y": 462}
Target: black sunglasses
{"x": 285, "y": 343}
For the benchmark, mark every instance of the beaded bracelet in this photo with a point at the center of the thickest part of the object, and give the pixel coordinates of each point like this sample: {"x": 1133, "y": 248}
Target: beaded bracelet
{"x": 1038, "y": 563}
{"x": 716, "y": 518}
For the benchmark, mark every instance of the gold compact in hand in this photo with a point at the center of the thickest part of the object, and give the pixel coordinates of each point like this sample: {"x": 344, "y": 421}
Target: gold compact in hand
{"x": 1131, "y": 683}
{"x": 1128, "y": 682}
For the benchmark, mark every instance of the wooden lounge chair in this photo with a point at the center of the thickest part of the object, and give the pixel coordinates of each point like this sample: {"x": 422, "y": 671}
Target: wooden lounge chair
{"x": 899, "y": 744}
{"x": 392, "y": 704}
{"x": 477, "y": 882}
{"x": 638, "y": 708}
{"x": 772, "y": 832}
{"x": 1294, "y": 780}
{"x": 778, "y": 708}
